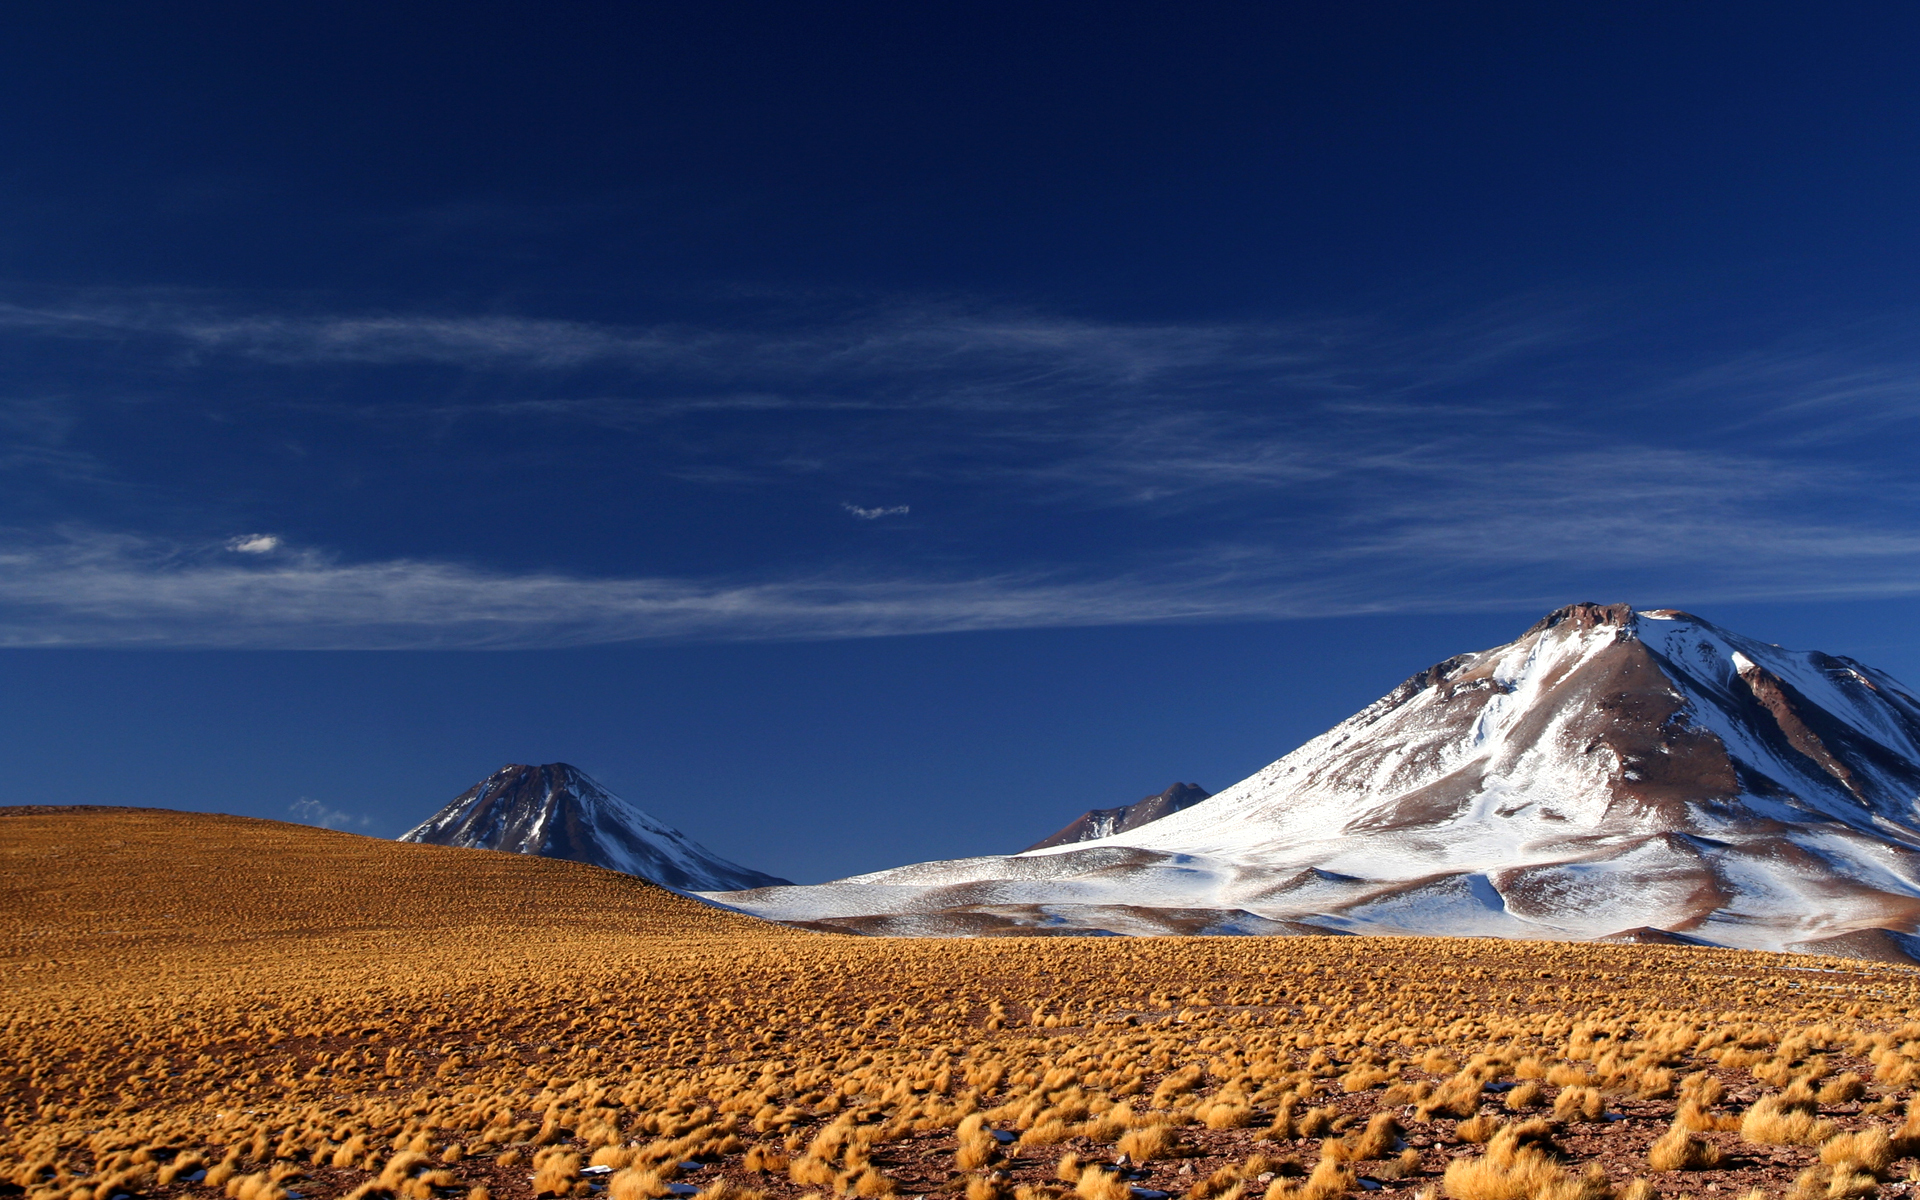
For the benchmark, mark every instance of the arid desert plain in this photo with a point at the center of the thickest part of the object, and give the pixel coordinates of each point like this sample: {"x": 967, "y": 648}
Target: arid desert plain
{"x": 218, "y": 1007}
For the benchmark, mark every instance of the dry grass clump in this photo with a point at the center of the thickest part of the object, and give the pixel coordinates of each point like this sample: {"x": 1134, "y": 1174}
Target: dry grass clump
{"x": 1148, "y": 1143}
{"x": 1842, "y": 1089}
{"x": 1776, "y": 1120}
{"x": 633, "y": 1184}
{"x": 1328, "y": 1178}
{"x": 1578, "y": 1103}
{"x": 1680, "y": 1150}
{"x": 1867, "y": 1151}
{"x": 1519, "y": 1164}
{"x": 1823, "y": 1182}
{"x": 1654, "y": 1083}
{"x": 1099, "y": 1183}
{"x": 1477, "y": 1130}
{"x": 1458, "y": 1097}
{"x": 1225, "y": 1116}
{"x": 1380, "y": 1138}
{"x": 1364, "y": 1078}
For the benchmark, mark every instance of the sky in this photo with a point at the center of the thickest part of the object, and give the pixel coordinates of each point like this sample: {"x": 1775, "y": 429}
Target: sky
{"x": 868, "y": 433}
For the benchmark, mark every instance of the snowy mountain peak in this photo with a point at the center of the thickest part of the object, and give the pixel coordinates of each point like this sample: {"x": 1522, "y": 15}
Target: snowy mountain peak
{"x": 557, "y": 811}
{"x": 1610, "y": 772}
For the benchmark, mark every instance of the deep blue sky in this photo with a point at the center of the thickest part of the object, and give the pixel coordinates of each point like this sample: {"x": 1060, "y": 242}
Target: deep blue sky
{"x": 867, "y": 433}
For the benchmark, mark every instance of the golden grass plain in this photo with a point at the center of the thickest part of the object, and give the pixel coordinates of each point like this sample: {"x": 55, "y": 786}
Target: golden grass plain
{"x": 207, "y": 1007}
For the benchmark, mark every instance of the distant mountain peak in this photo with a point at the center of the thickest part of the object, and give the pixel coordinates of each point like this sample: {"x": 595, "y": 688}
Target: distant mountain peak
{"x": 1105, "y": 822}
{"x": 557, "y": 811}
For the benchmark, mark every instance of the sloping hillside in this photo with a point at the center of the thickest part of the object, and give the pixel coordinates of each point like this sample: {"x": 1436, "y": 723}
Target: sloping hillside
{"x": 89, "y": 887}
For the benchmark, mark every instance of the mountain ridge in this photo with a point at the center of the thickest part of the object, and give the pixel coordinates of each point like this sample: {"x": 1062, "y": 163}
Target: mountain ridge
{"x": 1608, "y": 771}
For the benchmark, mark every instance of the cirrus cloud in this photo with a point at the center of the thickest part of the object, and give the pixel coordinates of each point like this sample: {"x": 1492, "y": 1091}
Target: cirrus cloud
{"x": 95, "y": 589}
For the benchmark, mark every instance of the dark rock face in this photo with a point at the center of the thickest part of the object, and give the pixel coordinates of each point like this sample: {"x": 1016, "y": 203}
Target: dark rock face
{"x": 556, "y": 811}
{"x": 1104, "y": 822}
{"x": 1588, "y": 615}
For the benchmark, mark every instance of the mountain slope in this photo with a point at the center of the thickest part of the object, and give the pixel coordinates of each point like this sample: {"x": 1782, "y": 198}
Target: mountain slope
{"x": 556, "y": 811}
{"x": 1606, "y": 773}
{"x": 1105, "y": 822}
{"x": 137, "y": 894}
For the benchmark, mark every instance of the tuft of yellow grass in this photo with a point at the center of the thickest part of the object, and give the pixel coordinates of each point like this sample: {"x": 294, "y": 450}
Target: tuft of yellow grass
{"x": 1824, "y": 1182}
{"x": 1364, "y": 1078}
{"x": 1148, "y": 1143}
{"x": 1380, "y": 1138}
{"x": 1522, "y": 1174}
{"x": 1842, "y": 1089}
{"x": 1225, "y": 1116}
{"x": 1773, "y": 1121}
{"x": 635, "y": 1184}
{"x": 1327, "y": 1180}
{"x": 1868, "y": 1151}
{"x": 554, "y": 1177}
{"x": 1680, "y": 1150}
{"x": 1098, "y": 1183}
{"x": 1477, "y": 1130}
{"x": 1578, "y": 1103}
{"x": 1459, "y": 1097}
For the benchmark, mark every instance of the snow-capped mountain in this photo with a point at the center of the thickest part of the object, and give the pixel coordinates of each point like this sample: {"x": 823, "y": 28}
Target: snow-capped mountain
{"x": 1607, "y": 774}
{"x": 1097, "y": 823}
{"x": 558, "y": 812}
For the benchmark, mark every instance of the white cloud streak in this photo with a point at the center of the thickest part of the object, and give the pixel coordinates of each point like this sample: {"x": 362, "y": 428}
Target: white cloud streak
{"x": 1024, "y": 354}
{"x": 380, "y": 340}
{"x": 121, "y": 590}
{"x": 108, "y": 590}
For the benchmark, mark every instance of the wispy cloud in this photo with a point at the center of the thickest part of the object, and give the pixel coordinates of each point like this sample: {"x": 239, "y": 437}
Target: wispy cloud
{"x": 104, "y": 590}
{"x": 1235, "y": 470}
{"x": 478, "y": 341}
{"x": 964, "y": 355}
{"x": 1695, "y": 516}
{"x": 307, "y": 811}
{"x": 121, "y": 590}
